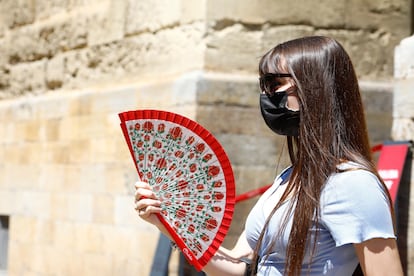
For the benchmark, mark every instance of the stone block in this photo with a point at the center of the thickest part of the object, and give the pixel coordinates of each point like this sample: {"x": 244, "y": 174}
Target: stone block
{"x": 403, "y": 129}
{"x": 249, "y": 178}
{"x": 327, "y": 13}
{"x": 25, "y": 252}
{"x": 125, "y": 213}
{"x": 121, "y": 177}
{"x": 80, "y": 207}
{"x": 34, "y": 204}
{"x": 249, "y": 150}
{"x": 80, "y": 152}
{"x": 89, "y": 239}
{"x": 24, "y": 45}
{"x": 17, "y": 13}
{"x": 377, "y": 98}
{"x": 44, "y": 232}
{"x": 55, "y": 72}
{"x": 62, "y": 262}
{"x": 232, "y": 119}
{"x": 103, "y": 209}
{"x": 108, "y": 24}
{"x": 54, "y": 153}
{"x": 139, "y": 17}
{"x": 193, "y": 11}
{"x": 390, "y": 16}
{"x": 18, "y": 110}
{"x": 28, "y": 78}
{"x": 403, "y": 98}
{"x": 46, "y": 39}
{"x": 371, "y": 62}
{"x": 64, "y": 235}
{"x": 142, "y": 56}
{"x": 64, "y": 33}
{"x": 404, "y": 59}
{"x": 274, "y": 35}
{"x": 8, "y": 199}
{"x": 228, "y": 89}
{"x": 59, "y": 205}
{"x": 81, "y": 5}
{"x": 21, "y": 175}
{"x": 23, "y": 229}
{"x": 91, "y": 178}
{"x": 131, "y": 266}
{"x": 7, "y": 130}
{"x": 49, "y": 131}
{"x": 48, "y": 8}
{"x": 113, "y": 101}
{"x": 222, "y": 44}
{"x": 113, "y": 237}
{"x": 97, "y": 264}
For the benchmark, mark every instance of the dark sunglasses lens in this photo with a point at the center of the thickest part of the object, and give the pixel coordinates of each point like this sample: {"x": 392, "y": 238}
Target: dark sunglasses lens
{"x": 268, "y": 84}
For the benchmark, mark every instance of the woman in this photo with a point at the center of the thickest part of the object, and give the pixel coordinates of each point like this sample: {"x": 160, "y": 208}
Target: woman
{"x": 329, "y": 210}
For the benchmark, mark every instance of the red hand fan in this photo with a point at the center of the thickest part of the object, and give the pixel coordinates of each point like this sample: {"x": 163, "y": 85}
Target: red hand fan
{"x": 189, "y": 172}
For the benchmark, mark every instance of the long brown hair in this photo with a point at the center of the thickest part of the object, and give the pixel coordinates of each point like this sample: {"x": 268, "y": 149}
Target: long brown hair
{"x": 332, "y": 130}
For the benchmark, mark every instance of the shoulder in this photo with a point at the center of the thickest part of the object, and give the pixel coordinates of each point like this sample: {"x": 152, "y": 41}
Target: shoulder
{"x": 356, "y": 192}
{"x": 356, "y": 184}
{"x": 356, "y": 197}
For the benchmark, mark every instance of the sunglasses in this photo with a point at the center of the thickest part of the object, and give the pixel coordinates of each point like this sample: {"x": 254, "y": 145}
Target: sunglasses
{"x": 268, "y": 82}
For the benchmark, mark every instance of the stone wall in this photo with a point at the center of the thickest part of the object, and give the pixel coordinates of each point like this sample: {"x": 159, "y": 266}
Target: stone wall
{"x": 69, "y": 66}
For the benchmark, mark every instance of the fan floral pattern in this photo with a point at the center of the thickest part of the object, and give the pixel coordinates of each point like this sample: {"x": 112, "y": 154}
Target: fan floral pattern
{"x": 185, "y": 174}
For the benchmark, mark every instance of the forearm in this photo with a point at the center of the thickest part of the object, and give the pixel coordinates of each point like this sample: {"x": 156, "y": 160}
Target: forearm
{"x": 225, "y": 262}
{"x": 229, "y": 262}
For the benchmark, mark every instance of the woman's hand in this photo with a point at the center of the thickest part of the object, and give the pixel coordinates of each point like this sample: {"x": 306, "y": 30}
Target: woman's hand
{"x": 146, "y": 203}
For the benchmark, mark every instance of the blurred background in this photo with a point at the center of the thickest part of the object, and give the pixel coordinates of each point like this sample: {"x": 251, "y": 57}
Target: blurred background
{"x": 68, "y": 67}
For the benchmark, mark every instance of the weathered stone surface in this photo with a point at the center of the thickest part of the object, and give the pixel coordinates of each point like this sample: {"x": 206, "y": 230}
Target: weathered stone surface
{"x": 403, "y": 98}
{"x": 377, "y": 15}
{"x": 227, "y": 89}
{"x": 17, "y": 13}
{"x": 108, "y": 24}
{"x": 34, "y": 42}
{"x": 327, "y": 14}
{"x": 404, "y": 59}
{"x": 377, "y": 98}
{"x": 28, "y": 78}
{"x": 48, "y": 8}
{"x": 222, "y": 44}
{"x": 140, "y": 15}
{"x": 55, "y": 72}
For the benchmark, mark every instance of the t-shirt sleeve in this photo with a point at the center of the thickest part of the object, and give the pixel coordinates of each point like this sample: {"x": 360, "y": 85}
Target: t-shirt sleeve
{"x": 355, "y": 208}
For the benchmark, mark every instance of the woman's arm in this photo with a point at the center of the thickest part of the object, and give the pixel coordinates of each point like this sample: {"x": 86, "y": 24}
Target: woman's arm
{"x": 228, "y": 262}
{"x": 224, "y": 262}
{"x": 379, "y": 257}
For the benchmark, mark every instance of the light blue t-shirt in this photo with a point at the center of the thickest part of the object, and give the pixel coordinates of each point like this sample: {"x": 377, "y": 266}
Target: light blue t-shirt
{"x": 354, "y": 208}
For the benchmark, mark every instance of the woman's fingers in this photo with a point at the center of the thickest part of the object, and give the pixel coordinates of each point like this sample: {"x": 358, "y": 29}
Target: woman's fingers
{"x": 147, "y": 209}
{"x": 143, "y": 190}
{"x": 145, "y": 203}
{"x": 142, "y": 184}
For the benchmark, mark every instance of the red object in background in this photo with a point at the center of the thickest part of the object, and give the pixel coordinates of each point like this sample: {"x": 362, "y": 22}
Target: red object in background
{"x": 390, "y": 166}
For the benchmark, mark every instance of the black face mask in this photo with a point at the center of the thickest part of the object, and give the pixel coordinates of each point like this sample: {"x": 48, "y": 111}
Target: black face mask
{"x": 277, "y": 116}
